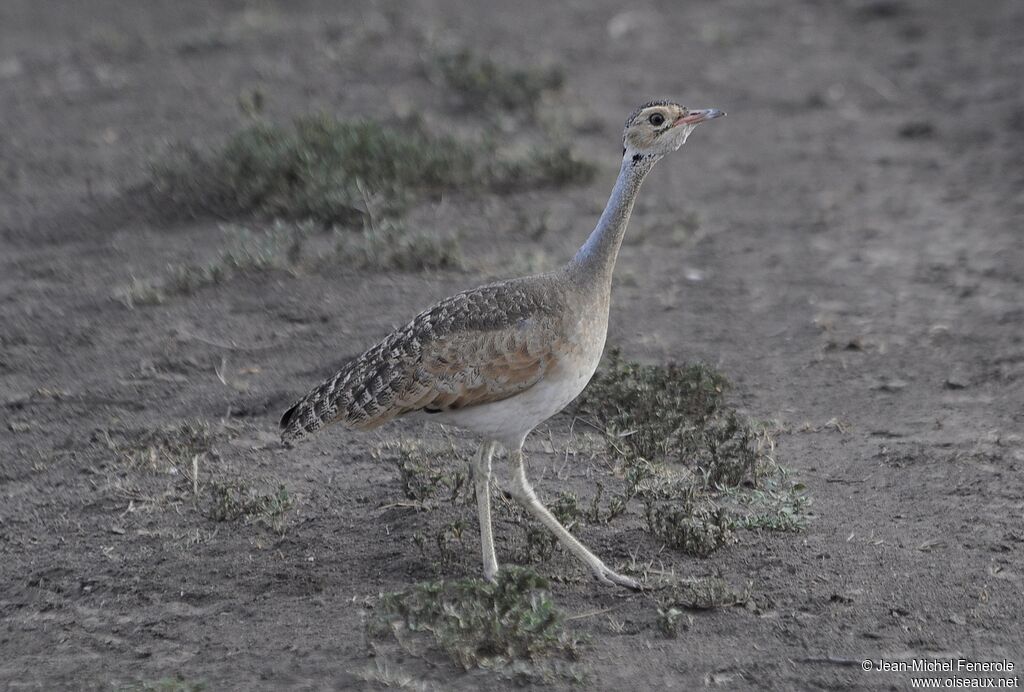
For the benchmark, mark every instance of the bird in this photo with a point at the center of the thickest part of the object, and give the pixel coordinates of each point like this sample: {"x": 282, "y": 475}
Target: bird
{"x": 500, "y": 359}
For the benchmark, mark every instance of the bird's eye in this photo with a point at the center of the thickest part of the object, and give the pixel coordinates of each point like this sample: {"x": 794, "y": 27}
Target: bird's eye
{"x": 656, "y": 119}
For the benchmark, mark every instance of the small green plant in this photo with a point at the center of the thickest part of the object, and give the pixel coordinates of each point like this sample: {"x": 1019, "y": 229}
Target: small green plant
{"x": 687, "y": 518}
{"x": 236, "y": 500}
{"x": 677, "y": 596}
{"x": 485, "y": 85}
{"x": 423, "y": 470}
{"x": 778, "y": 505}
{"x": 498, "y": 625}
{"x": 724, "y": 450}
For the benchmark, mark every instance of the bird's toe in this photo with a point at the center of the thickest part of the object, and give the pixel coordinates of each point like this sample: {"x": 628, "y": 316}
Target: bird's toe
{"x": 612, "y": 578}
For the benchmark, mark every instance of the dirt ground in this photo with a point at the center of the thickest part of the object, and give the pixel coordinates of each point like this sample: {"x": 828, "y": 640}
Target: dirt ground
{"x": 857, "y": 273}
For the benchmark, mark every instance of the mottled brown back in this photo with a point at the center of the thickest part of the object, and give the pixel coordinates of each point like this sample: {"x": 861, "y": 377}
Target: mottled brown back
{"x": 475, "y": 347}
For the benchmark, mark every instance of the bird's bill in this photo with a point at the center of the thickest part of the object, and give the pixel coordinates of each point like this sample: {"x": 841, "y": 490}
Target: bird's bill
{"x": 699, "y": 116}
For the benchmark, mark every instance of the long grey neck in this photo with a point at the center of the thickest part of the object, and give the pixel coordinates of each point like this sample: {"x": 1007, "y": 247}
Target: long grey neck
{"x": 596, "y": 259}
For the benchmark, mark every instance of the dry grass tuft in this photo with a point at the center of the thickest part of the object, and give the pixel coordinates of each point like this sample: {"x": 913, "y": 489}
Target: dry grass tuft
{"x": 294, "y": 247}
{"x": 179, "y": 464}
{"x": 165, "y": 450}
{"x": 389, "y": 246}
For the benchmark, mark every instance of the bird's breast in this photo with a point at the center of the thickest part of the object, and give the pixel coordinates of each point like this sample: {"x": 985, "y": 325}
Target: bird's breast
{"x": 584, "y": 343}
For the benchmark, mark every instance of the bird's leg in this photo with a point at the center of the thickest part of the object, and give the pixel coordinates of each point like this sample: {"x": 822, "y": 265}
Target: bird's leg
{"x": 523, "y": 492}
{"x": 482, "y": 482}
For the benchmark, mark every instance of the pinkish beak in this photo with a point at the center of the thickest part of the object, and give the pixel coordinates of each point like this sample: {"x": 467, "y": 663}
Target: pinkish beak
{"x": 698, "y": 116}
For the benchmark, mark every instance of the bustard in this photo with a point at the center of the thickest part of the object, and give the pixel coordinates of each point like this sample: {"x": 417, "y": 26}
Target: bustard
{"x": 500, "y": 359}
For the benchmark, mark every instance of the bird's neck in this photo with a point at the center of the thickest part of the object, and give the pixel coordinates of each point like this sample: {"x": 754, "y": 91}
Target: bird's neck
{"x": 596, "y": 259}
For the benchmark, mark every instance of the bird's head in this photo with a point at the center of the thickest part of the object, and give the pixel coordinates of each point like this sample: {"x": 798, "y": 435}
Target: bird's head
{"x": 660, "y": 127}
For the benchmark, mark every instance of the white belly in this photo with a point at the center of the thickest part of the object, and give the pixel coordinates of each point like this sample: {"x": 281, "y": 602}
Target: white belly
{"x": 510, "y": 420}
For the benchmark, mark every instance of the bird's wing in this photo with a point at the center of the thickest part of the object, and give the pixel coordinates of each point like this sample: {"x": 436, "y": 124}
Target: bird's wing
{"x": 474, "y": 348}
{"x": 478, "y": 367}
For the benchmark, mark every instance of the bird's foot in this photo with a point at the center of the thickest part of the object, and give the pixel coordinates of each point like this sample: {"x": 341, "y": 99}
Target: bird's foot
{"x": 609, "y": 576}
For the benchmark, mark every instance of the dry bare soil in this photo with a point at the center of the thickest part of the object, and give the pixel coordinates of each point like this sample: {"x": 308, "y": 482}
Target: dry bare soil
{"x": 845, "y": 246}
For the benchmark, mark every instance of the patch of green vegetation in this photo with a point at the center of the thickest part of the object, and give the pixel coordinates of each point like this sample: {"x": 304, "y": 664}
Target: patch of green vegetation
{"x": 653, "y": 411}
{"x": 509, "y": 626}
{"x": 320, "y": 169}
{"x": 339, "y": 172}
{"x": 485, "y": 85}
{"x": 700, "y": 469}
{"x": 778, "y": 505}
{"x": 237, "y": 500}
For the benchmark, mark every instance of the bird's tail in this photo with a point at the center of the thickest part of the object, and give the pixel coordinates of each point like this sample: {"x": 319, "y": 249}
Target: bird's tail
{"x": 360, "y": 396}
{"x": 311, "y": 412}
{"x": 290, "y": 428}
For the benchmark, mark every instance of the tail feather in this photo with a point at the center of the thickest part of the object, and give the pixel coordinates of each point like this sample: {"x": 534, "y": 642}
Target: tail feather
{"x": 310, "y": 413}
{"x": 291, "y": 422}
{"x": 288, "y": 417}
{"x": 362, "y": 395}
